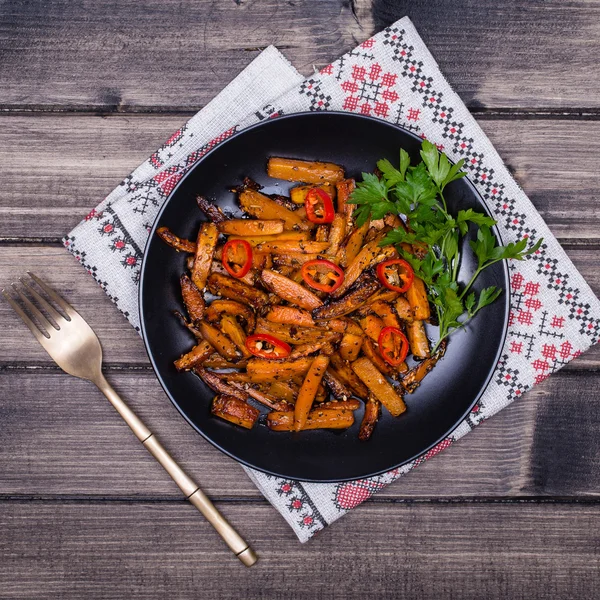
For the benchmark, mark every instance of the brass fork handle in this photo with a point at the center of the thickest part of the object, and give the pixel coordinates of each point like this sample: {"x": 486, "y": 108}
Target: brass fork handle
{"x": 186, "y": 484}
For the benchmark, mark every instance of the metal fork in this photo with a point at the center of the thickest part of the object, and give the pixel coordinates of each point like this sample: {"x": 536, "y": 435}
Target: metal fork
{"x": 75, "y": 348}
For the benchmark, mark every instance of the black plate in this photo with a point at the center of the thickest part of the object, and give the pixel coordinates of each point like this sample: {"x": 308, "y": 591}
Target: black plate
{"x": 438, "y": 406}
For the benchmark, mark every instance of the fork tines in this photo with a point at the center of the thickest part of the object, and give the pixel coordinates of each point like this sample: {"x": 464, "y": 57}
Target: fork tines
{"x": 40, "y": 324}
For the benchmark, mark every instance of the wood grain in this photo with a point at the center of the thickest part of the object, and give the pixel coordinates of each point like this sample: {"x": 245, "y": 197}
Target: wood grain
{"x": 112, "y": 551}
{"x": 122, "y": 346}
{"x": 509, "y": 54}
{"x": 510, "y": 511}
{"x": 160, "y": 56}
{"x": 74, "y": 161}
{"x": 76, "y": 445}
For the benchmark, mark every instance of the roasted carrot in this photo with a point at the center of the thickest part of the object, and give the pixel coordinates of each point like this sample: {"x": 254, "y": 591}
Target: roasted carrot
{"x": 298, "y": 194}
{"x": 180, "y": 244}
{"x": 192, "y": 298}
{"x": 219, "y": 341}
{"x": 365, "y": 259}
{"x": 370, "y": 351}
{"x": 338, "y": 388}
{"x": 212, "y": 211}
{"x": 379, "y": 386}
{"x": 344, "y": 191}
{"x": 352, "y": 247}
{"x": 250, "y": 227}
{"x": 415, "y": 376}
{"x": 350, "y": 346}
{"x": 288, "y": 315}
{"x": 417, "y": 297}
{"x": 337, "y": 232}
{"x": 343, "y": 371}
{"x": 295, "y": 246}
{"x": 370, "y": 418}
{"x": 268, "y": 370}
{"x": 386, "y": 313}
{"x": 220, "y": 307}
{"x": 196, "y": 356}
{"x": 220, "y": 285}
{"x": 404, "y": 309}
{"x": 308, "y": 391}
{"x": 231, "y": 328}
{"x": 293, "y": 259}
{"x": 304, "y": 170}
{"x": 290, "y": 290}
{"x": 317, "y": 419}
{"x": 234, "y": 410}
{"x": 205, "y": 248}
{"x": 354, "y": 299}
{"x": 417, "y": 338}
{"x": 372, "y": 326}
{"x": 260, "y": 206}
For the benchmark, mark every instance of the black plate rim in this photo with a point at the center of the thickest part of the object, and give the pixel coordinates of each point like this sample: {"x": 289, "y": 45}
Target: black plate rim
{"x": 152, "y": 239}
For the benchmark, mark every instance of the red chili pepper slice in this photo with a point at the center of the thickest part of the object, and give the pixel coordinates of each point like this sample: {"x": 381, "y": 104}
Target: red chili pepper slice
{"x": 267, "y": 346}
{"x": 393, "y": 346}
{"x": 395, "y": 274}
{"x": 237, "y": 257}
{"x": 322, "y": 275}
{"x": 319, "y": 206}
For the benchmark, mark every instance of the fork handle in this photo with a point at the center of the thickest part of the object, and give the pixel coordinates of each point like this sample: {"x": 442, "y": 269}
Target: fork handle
{"x": 186, "y": 484}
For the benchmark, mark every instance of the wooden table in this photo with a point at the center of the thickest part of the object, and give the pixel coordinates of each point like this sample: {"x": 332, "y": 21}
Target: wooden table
{"x": 88, "y": 90}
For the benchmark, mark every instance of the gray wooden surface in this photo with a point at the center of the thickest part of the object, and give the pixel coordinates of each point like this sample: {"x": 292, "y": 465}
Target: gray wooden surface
{"x": 87, "y": 91}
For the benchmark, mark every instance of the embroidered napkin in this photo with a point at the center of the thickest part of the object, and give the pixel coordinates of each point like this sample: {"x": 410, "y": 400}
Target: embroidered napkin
{"x": 554, "y": 315}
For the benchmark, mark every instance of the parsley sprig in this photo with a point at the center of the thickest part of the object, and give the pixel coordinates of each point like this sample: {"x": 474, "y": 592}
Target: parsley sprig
{"x": 416, "y": 193}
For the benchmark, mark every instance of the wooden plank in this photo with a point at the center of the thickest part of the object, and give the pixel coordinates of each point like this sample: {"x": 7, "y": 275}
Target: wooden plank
{"x": 58, "y": 167}
{"x": 122, "y": 346}
{"x": 157, "y": 56}
{"x": 509, "y": 54}
{"x": 522, "y": 552}
{"x": 72, "y": 162}
{"x": 120, "y": 343}
{"x": 60, "y": 436}
{"x": 547, "y": 160}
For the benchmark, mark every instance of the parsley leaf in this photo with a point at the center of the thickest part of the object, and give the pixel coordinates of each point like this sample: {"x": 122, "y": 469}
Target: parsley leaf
{"x": 369, "y": 190}
{"x": 397, "y": 236}
{"x": 465, "y": 216}
{"x": 371, "y": 195}
{"x": 391, "y": 175}
{"x": 484, "y": 246}
{"x": 404, "y": 161}
{"x": 438, "y": 165}
{"x": 452, "y": 307}
{"x": 451, "y": 245}
{"x": 418, "y": 188}
{"x": 488, "y": 252}
{"x": 470, "y": 303}
{"x": 487, "y": 296}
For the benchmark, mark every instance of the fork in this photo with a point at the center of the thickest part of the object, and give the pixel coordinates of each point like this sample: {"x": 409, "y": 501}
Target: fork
{"x": 75, "y": 348}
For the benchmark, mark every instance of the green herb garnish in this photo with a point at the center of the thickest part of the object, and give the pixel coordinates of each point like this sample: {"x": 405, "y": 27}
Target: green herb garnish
{"x": 416, "y": 193}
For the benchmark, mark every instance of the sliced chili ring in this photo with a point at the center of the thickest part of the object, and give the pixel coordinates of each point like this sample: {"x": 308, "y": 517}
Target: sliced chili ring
{"x": 267, "y": 346}
{"x": 237, "y": 257}
{"x": 315, "y": 271}
{"x": 319, "y": 206}
{"x": 393, "y": 346}
{"x": 396, "y": 274}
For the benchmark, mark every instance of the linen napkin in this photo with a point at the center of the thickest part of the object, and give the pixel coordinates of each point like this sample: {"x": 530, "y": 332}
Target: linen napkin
{"x": 554, "y": 315}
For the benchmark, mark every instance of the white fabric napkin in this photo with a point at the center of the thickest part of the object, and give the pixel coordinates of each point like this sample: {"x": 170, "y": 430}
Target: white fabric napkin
{"x": 554, "y": 315}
